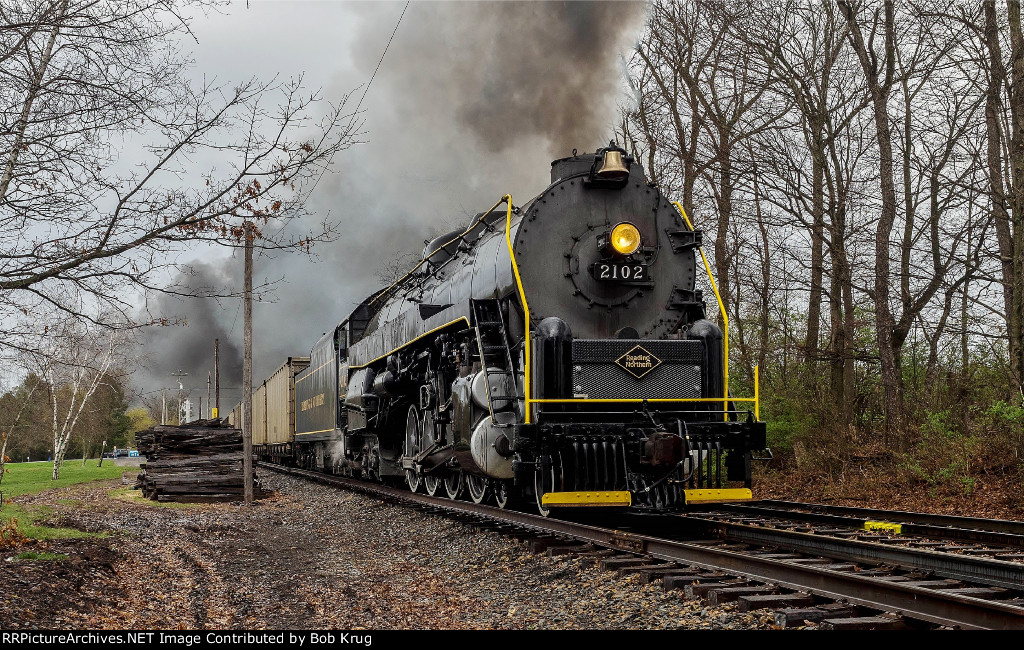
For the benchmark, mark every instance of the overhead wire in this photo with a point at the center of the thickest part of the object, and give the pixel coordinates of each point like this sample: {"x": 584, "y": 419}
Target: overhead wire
{"x": 366, "y": 90}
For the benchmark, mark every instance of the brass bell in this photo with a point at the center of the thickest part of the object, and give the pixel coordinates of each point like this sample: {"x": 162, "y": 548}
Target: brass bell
{"x": 612, "y": 167}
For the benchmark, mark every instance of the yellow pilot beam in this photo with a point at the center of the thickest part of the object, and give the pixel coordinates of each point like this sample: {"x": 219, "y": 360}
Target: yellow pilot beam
{"x": 585, "y": 499}
{"x": 718, "y": 496}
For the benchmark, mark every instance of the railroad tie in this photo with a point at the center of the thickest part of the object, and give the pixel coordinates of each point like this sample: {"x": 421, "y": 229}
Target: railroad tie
{"x": 701, "y": 590}
{"x": 659, "y": 569}
{"x": 730, "y": 594}
{"x": 554, "y": 551}
{"x": 750, "y": 602}
{"x": 800, "y": 616}
{"x": 613, "y": 563}
{"x": 683, "y": 580}
{"x": 863, "y": 623}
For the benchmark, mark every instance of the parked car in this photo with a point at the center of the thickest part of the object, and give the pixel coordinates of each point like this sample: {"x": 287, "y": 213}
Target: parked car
{"x": 122, "y": 453}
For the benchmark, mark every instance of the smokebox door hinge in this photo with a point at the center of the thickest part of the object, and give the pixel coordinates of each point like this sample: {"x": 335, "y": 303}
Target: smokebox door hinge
{"x": 684, "y": 240}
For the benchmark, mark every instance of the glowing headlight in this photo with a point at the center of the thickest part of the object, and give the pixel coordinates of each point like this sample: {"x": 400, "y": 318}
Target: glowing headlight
{"x": 625, "y": 238}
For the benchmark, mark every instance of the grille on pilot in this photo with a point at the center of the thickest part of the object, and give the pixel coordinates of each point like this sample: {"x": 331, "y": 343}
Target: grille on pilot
{"x": 635, "y": 369}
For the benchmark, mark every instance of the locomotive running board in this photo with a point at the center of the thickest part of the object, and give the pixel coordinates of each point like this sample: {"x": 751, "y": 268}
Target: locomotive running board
{"x": 585, "y": 499}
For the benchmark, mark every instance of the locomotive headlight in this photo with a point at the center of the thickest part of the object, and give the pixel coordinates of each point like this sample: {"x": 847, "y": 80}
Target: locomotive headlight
{"x": 625, "y": 238}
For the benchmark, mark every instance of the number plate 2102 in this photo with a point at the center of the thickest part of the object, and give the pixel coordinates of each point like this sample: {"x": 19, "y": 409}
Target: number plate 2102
{"x": 619, "y": 272}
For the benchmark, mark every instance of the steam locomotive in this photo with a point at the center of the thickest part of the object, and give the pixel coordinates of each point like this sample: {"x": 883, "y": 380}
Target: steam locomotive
{"x": 558, "y": 353}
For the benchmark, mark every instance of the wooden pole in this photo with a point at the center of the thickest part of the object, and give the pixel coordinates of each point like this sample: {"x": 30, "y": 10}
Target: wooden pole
{"x": 247, "y": 369}
{"x": 216, "y": 374}
{"x": 209, "y": 401}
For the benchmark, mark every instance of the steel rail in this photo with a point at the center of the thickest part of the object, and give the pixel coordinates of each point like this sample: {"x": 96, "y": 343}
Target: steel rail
{"x": 988, "y": 571}
{"x": 920, "y": 603}
{"x": 858, "y": 522}
{"x": 955, "y": 521}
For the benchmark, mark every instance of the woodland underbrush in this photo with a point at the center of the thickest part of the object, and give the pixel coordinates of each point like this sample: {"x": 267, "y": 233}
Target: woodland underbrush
{"x": 956, "y": 449}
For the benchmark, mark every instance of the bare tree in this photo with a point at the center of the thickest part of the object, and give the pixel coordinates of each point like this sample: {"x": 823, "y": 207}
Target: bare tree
{"x": 75, "y": 361}
{"x": 111, "y": 161}
{"x": 8, "y": 429}
{"x": 879, "y": 72}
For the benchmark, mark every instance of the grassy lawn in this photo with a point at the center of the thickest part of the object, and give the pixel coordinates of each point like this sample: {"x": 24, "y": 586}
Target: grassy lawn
{"x": 32, "y": 478}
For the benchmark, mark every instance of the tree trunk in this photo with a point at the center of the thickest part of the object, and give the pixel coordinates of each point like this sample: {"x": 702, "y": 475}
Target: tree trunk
{"x": 3, "y": 455}
{"x": 724, "y": 216}
{"x": 26, "y": 108}
{"x": 994, "y": 137}
{"x": 884, "y": 321}
{"x": 817, "y": 227}
{"x": 1016, "y": 155}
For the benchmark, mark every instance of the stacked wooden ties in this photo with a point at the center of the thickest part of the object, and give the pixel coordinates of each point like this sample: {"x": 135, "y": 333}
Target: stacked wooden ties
{"x": 198, "y": 462}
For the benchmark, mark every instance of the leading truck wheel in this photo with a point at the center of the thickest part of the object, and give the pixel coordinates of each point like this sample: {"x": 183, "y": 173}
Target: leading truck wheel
{"x": 412, "y": 447}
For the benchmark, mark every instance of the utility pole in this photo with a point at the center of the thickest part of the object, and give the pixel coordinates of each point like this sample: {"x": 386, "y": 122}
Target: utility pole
{"x": 181, "y": 391}
{"x": 216, "y": 375}
{"x": 163, "y": 411}
{"x": 209, "y": 404}
{"x": 247, "y": 369}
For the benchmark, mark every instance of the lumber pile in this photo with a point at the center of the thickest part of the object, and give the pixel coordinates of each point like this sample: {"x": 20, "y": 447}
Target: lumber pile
{"x": 196, "y": 462}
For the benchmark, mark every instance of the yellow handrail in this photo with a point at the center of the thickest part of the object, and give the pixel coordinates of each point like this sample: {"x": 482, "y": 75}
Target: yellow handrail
{"x": 757, "y": 394}
{"x": 721, "y": 309}
{"x": 527, "y": 342}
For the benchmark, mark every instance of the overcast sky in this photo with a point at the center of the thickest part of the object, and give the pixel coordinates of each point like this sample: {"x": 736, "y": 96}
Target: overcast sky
{"x": 472, "y": 101}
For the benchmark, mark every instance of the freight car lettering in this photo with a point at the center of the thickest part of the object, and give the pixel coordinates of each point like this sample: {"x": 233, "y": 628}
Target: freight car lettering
{"x": 313, "y": 402}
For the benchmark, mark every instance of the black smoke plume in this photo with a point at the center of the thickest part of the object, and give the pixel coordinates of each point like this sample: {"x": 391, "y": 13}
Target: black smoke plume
{"x": 472, "y": 101}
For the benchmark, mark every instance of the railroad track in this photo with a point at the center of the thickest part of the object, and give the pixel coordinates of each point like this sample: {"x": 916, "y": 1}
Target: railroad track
{"x": 841, "y": 583}
{"x": 998, "y": 538}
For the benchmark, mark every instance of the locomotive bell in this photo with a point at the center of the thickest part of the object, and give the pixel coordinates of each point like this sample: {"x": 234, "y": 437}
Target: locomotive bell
{"x": 612, "y": 167}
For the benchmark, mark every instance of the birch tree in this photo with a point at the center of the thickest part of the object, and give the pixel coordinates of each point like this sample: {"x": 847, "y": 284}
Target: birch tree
{"x": 77, "y": 359}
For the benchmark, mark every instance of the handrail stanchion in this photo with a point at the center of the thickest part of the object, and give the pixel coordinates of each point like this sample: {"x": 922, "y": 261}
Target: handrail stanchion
{"x": 721, "y": 310}
{"x": 757, "y": 394}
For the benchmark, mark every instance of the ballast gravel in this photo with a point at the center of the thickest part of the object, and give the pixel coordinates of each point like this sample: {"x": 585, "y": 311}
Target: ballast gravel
{"x": 314, "y": 556}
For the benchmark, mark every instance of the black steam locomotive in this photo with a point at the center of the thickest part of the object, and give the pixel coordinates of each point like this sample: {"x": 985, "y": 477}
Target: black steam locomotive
{"x": 558, "y": 352}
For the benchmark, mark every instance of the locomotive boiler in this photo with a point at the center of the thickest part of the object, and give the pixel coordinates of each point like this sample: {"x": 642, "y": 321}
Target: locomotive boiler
{"x": 558, "y": 352}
